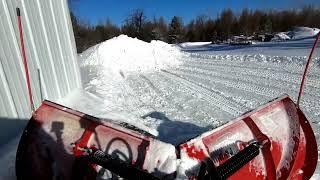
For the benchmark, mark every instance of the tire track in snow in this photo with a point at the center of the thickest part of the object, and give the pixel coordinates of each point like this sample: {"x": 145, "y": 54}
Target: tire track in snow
{"x": 230, "y": 99}
{"x": 231, "y": 83}
{"x": 182, "y": 100}
{"x": 132, "y": 101}
{"x": 215, "y": 98}
{"x": 141, "y": 93}
{"x": 239, "y": 96}
{"x": 294, "y": 79}
{"x": 275, "y": 67}
{"x": 146, "y": 88}
{"x": 310, "y": 103}
{"x": 197, "y": 102}
{"x": 271, "y": 91}
{"x": 254, "y": 79}
{"x": 249, "y": 99}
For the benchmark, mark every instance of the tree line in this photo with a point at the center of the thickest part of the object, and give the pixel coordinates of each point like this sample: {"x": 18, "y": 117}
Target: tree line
{"x": 201, "y": 28}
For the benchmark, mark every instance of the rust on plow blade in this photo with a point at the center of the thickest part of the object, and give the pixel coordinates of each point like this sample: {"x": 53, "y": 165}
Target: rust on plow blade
{"x": 273, "y": 142}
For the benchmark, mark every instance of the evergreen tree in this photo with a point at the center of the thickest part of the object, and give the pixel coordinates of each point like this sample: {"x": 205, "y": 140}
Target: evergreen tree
{"x": 175, "y": 30}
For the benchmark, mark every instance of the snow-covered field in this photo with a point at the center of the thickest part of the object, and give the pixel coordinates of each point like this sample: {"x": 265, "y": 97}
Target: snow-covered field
{"x": 178, "y": 92}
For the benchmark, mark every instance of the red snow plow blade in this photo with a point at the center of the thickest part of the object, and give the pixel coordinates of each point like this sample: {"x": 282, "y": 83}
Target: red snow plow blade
{"x": 273, "y": 142}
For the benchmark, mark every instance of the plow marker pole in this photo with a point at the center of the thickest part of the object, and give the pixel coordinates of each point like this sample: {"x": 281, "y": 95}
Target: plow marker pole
{"x": 24, "y": 58}
{"x": 307, "y": 67}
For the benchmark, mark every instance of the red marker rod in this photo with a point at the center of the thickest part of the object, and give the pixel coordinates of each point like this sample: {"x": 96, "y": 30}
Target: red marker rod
{"x": 24, "y": 58}
{"x": 307, "y": 67}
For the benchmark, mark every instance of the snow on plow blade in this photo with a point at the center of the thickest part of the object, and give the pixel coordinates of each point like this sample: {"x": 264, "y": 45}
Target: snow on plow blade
{"x": 289, "y": 150}
{"x": 273, "y": 142}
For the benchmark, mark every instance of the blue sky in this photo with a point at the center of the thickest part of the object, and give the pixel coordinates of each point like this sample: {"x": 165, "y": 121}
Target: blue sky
{"x": 96, "y": 11}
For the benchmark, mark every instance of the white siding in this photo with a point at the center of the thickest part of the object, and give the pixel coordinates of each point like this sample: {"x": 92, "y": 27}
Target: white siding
{"x": 50, "y": 47}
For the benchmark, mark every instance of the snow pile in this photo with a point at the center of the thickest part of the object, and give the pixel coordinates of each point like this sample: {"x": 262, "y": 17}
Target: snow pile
{"x": 122, "y": 55}
{"x": 105, "y": 70}
{"x": 193, "y": 44}
{"x": 281, "y": 36}
{"x": 296, "y": 33}
{"x": 303, "y": 32}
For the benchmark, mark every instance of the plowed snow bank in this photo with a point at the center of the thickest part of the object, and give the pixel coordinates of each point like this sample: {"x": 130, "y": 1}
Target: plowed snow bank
{"x": 123, "y": 54}
{"x": 303, "y": 32}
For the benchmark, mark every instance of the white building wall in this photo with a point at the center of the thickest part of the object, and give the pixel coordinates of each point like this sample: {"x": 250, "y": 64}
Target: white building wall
{"x": 50, "y": 50}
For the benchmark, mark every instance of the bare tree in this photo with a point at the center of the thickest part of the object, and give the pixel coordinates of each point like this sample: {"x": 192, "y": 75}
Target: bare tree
{"x": 160, "y": 29}
{"x": 133, "y": 24}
